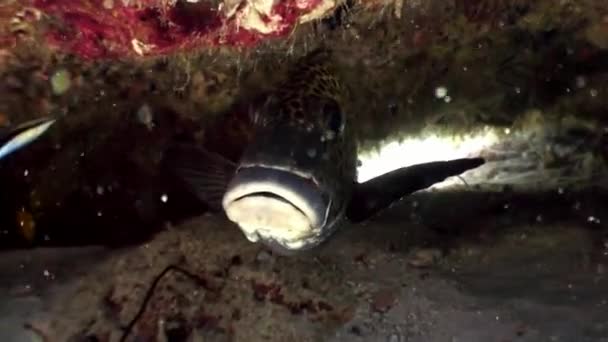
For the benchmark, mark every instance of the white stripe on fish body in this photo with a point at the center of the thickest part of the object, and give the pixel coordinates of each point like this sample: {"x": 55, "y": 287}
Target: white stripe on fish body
{"x": 24, "y": 138}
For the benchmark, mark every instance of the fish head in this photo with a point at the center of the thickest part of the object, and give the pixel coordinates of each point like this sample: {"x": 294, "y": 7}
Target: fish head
{"x": 288, "y": 187}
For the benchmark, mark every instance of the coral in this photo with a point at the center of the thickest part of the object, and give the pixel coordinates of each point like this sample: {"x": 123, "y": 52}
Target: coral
{"x": 110, "y": 28}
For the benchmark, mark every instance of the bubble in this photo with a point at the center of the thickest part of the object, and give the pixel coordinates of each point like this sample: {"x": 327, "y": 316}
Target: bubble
{"x": 311, "y": 152}
{"x": 581, "y": 81}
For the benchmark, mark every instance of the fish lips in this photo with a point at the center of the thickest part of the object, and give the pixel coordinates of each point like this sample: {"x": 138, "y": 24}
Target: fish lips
{"x": 278, "y": 207}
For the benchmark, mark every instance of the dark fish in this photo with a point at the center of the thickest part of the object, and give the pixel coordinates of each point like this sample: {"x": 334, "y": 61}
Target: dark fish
{"x": 15, "y": 138}
{"x": 295, "y": 178}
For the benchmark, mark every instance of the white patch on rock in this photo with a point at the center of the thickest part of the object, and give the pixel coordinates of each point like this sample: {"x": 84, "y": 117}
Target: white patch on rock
{"x": 258, "y": 15}
{"x": 139, "y": 47}
{"x": 250, "y": 16}
{"x": 324, "y": 8}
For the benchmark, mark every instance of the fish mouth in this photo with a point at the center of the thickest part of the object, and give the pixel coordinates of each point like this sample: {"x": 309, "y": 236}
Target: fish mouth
{"x": 279, "y": 208}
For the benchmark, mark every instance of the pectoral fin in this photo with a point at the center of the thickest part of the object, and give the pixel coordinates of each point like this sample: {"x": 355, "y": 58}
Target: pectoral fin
{"x": 379, "y": 193}
{"x": 206, "y": 174}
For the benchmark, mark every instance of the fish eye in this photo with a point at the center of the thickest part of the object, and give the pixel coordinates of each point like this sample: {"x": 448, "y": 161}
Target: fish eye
{"x": 333, "y": 115}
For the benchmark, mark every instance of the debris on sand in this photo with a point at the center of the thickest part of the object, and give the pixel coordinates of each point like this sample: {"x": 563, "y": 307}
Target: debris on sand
{"x": 426, "y": 257}
{"x": 384, "y": 300}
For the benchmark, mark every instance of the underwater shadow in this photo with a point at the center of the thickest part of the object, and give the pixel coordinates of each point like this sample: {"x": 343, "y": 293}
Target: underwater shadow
{"x": 445, "y": 218}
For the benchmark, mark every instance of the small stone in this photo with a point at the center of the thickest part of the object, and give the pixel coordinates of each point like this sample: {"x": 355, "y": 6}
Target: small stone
{"x": 355, "y": 330}
{"x": 424, "y": 257}
{"x": 393, "y": 338}
{"x": 263, "y": 256}
{"x": 384, "y": 300}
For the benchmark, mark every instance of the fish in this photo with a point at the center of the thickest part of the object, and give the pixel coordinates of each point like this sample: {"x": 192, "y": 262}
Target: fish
{"x": 15, "y": 138}
{"x": 294, "y": 181}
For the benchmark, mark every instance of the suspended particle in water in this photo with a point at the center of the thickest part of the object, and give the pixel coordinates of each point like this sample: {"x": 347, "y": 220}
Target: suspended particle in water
{"x": 164, "y": 198}
{"x": 311, "y": 152}
{"x": 441, "y": 92}
{"x": 581, "y": 82}
{"x": 26, "y": 225}
{"x": 47, "y": 273}
{"x": 145, "y": 116}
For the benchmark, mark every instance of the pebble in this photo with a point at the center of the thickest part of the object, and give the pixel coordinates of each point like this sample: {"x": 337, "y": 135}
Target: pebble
{"x": 424, "y": 257}
{"x": 384, "y": 300}
{"x": 263, "y": 256}
{"x": 393, "y": 338}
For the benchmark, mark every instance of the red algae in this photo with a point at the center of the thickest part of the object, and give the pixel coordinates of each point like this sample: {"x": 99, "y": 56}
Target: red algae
{"x": 91, "y": 30}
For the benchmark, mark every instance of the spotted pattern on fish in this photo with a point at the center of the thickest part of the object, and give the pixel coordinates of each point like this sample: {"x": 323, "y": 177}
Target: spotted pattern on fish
{"x": 312, "y": 95}
{"x": 311, "y": 81}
